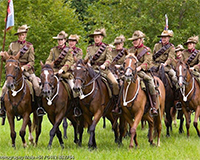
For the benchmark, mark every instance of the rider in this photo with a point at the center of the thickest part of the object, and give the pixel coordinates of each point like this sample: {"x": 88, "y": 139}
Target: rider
{"x": 27, "y": 59}
{"x": 144, "y": 56}
{"x": 99, "y": 54}
{"x": 164, "y": 53}
{"x": 118, "y": 57}
{"x": 192, "y": 56}
{"x": 63, "y": 58}
{"x": 77, "y": 52}
{"x": 179, "y": 50}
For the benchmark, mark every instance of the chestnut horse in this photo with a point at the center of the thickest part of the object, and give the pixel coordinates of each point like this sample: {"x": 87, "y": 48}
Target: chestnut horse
{"x": 18, "y": 100}
{"x": 133, "y": 103}
{"x": 94, "y": 98}
{"x": 56, "y": 102}
{"x": 190, "y": 91}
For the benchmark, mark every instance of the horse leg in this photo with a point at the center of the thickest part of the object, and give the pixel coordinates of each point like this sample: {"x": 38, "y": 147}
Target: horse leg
{"x": 12, "y": 129}
{"x": 38, "y": 125}
{"x": 150, "y": 131}
{"x": 195, "y": 123}
{"x": 22, "y": 132}
{"x": 115, "y": 129}
{"x": 59, "y": 136}
{"x": 92, "y": 141}
{"x": 30, "y": 138}
{"x": 187, "y": 117}
{"x": 180, "y": 112}
{"x": 121, "y": 128}
{"x": 168, "y": 122}
{"x": 65, "y": 125}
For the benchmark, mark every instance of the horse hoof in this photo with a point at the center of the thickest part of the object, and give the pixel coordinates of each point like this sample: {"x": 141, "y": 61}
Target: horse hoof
{"x": 24, "y": 145}
{"x": 65, "y": 137}
{"x": 130, "y": 146}
{"x": 13, "y": 145}
{"x": 49, "y": 147}
{"x": 62, "y": 146}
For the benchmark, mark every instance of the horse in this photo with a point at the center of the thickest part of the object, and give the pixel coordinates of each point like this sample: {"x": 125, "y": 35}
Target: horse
{"x": 57, "y": 103}
{"x": 169, "y": 99}
{"x": 190, "y": 90}
{"x": 133, "y": 101}
{"x": 18, "y": 101}
{"x": 94, "y": 96}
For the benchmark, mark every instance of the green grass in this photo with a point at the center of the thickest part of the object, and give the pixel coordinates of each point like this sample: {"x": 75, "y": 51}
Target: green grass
{"x": 178, "y": 146}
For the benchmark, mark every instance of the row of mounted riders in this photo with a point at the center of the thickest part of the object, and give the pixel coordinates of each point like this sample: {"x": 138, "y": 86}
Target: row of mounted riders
{"x": 95, "y": 102}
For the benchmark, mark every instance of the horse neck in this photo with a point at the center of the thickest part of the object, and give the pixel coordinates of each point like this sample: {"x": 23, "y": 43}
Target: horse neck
{"x": 189, "y": 80}
{"x": 20, "y": 81}
{"x": 88, "y": 87}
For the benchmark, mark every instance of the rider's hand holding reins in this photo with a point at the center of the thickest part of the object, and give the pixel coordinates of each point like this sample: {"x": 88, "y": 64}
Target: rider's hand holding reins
{"x": 103, "y": 67}
{"x": 138, "y": 68}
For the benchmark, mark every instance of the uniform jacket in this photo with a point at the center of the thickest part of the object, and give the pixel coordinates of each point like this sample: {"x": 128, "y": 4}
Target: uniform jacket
{"x": 146, "y": 59}
{"x": 67, "y": 61}
{"x": 78, "y": 53}
{"x": 195, "y": 62}
{"x": 28, "y": 59}
{"x": 114, "y": 53}
{"x": 105, "y": 58}
{"x": 168, "y": 56}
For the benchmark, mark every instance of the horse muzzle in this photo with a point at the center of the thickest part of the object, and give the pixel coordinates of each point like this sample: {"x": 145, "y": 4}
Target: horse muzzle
{"x": 10, "y": 85}
{"x": 47, "y": 92}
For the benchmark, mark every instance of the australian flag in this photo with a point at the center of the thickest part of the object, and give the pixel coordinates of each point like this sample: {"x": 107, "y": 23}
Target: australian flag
{"x": 10, "y": 15}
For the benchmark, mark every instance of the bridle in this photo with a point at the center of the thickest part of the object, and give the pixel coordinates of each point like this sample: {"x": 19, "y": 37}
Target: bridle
{"x": 133, "y": 74}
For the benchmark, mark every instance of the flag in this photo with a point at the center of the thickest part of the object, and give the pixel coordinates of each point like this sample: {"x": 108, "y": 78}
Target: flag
{"x": 166, "y": 22}
{"x": 10, "y": 15}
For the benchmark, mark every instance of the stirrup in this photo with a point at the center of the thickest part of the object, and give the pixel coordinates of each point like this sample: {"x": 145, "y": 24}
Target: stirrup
{"x": 40, "y": 109}
{"x": 77, "y": 112}
{"x": 178, "y": 106}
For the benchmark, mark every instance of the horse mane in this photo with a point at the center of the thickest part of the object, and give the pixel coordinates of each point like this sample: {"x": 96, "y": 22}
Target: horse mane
{"x": 131, "y": 55}
{"x": 48, "y": 66}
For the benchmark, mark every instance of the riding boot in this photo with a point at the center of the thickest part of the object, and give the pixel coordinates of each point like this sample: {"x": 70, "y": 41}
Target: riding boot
{"x": 118, "y": 109}
{"x": 2, "y": 110}
{"x": 153, "y": 108}
{"x": 40, "y": 110}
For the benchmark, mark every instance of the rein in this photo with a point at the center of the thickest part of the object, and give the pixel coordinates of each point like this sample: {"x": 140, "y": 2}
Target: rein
{"x": 134, "y": 97}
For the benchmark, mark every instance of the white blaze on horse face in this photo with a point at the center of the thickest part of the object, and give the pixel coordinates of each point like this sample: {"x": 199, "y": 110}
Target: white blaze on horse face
{"x": 46, "y": 73}
{"x": 180, "y": 80}
{"x": 129, "y": 66}
{"x": 78, "y": 68}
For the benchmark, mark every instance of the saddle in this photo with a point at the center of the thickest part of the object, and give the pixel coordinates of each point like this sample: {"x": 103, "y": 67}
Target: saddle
{"x": 67, "y": 87}
{"x": 108, "y": 85}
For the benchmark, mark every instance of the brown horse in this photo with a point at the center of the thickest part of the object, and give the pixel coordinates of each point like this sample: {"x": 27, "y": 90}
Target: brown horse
{"x": 94, "y": 98}
{"x": 18, "y": 100}
{"x": 56, "y": 102}
{"x": 190, "y": 91}
{"x": 133, "y": 103}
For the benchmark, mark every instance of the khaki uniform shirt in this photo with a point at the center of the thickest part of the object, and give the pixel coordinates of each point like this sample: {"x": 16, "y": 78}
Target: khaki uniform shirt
{"x": 65, "y": 64}
{"x": 168, "y": 56}
{"x": 195, "y": 62}
{"x": 28, "y": 59}
{"x": 114, "y": 53}
{"x": 145, "y": 61}
{"x": 105, "y": 58}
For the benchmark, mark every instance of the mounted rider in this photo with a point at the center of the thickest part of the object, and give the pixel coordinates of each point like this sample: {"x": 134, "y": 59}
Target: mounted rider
{"x": 179, "y": 51}
{"x": 77, "y": 52}
{"x": 99, "y": 54}
{"x": 63, "y": 58}
{"x": 27, "y": 60}
{"x": 144, "y": 56}
{"x": 118, "y": 56}
{"x": 192, "y": 56}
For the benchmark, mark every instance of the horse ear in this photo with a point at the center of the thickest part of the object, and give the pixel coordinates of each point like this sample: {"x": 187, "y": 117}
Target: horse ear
{"x": 41, "y": 63}
{"x": 18, "y": 55}
{"x": 4, "y": 55}
{"x": 85, "y": 61}
{"x": 126, "y": 52}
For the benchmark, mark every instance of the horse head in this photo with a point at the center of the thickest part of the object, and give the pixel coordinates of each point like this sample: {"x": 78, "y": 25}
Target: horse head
{"x": 130, "y": 65}
{"x": 48, "y": 80}
{"x": 13, "y": 70}
{"x": 81, "y": 75}
{"x": 183, "y": 73}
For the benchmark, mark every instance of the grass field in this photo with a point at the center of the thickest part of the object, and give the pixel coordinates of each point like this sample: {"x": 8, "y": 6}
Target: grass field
{"x": 178, "y": 146}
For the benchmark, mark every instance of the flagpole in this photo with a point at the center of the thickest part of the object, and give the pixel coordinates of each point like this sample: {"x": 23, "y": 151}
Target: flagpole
{"x": 4, "y": 41}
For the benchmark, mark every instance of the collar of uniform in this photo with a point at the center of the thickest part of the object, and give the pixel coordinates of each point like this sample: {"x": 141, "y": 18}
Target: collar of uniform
{"x": 140, "y": 46}
{"x": 74, "y": 48}
{"x": 98, "y": 44}
{"x": 21, "y": 42}
{"x": 191, "y": 50}
{"x": 165, "y": 44}
{"x": 61, "y": 48}
{"x": 119, "y": 49}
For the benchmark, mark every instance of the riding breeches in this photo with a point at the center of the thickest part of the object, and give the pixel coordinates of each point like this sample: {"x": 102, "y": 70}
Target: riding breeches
{"x": 172, "y": 74}
{"x": 114, "y": 82}
{"x": 71, "y": 84}
{"x": 149, "y": 80}
{"x": 35, "y": 83}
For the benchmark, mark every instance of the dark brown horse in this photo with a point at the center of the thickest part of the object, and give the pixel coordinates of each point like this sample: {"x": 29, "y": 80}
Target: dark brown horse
{"x": 18, "y": 100}
{"x": 190, "y": 91}
{"x": 94, "y": 98}
{"x": 56, "y": 102}
{"x": 133, "y": 103}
